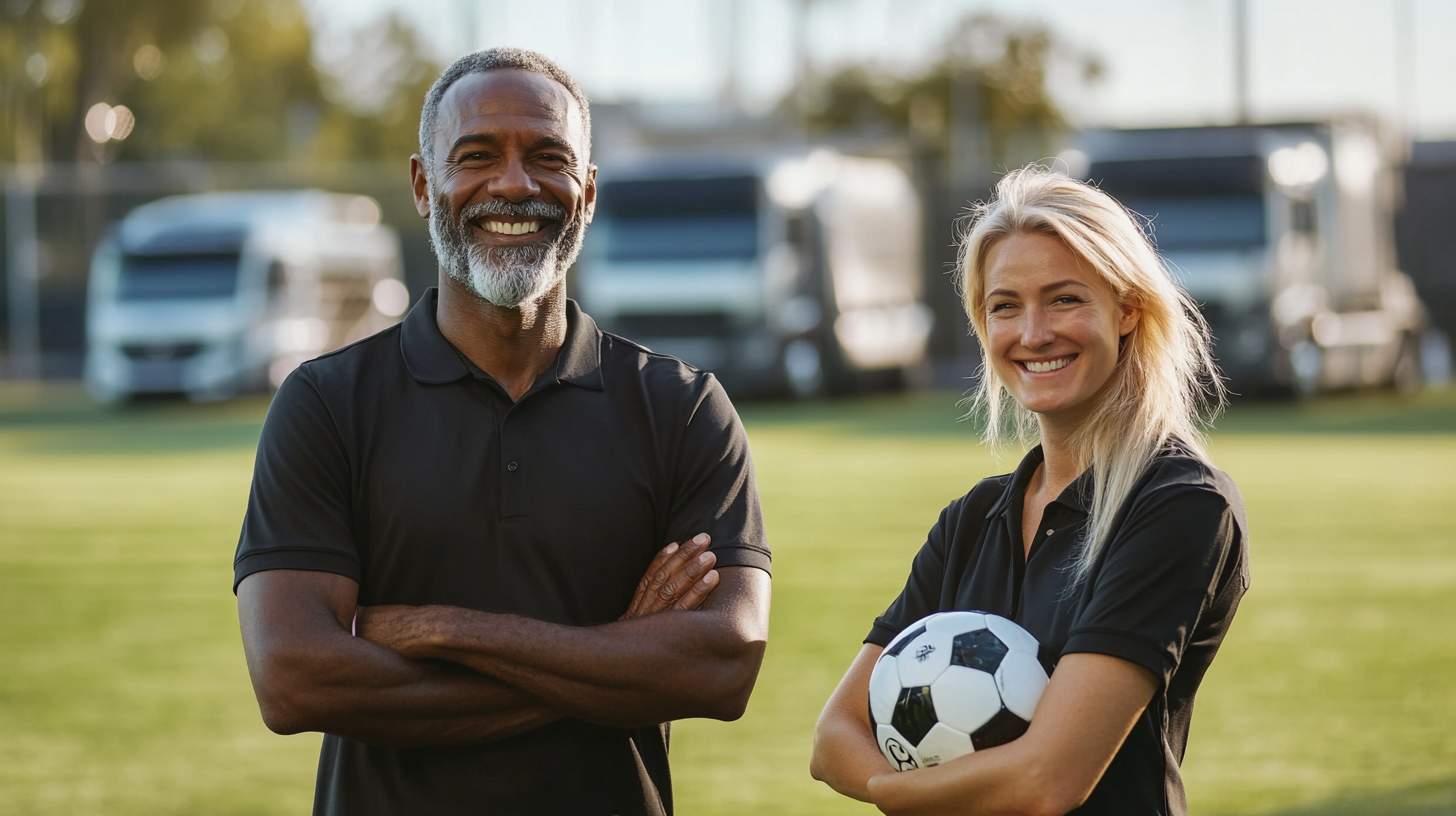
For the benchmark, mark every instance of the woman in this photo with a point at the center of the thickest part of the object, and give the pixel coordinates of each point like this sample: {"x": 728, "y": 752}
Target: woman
{"x": 1115, "y": 542}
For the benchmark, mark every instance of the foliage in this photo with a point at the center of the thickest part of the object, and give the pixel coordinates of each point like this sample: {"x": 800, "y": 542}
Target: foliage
{"x": 991, "y": 73}
{"x": 376, "y": 88}
{"x": 220, "y": 80}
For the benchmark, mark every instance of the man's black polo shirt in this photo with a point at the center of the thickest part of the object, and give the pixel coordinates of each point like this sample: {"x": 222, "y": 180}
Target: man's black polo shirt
{"x": 396, "y": 464}
{"x": 1161, "y": 594}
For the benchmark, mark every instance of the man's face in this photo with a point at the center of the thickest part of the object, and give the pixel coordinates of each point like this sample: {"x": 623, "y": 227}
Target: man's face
{"x": 509, "y": 193}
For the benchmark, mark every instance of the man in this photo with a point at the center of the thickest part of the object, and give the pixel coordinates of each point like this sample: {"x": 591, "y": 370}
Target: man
{"x": 480, "y": 495}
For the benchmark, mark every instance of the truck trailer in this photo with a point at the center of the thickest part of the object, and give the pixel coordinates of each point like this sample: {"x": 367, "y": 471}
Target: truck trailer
{"x": 215, "y": 294}
{"x": 796, "y": 275}
{"x": 1284, "y": 235}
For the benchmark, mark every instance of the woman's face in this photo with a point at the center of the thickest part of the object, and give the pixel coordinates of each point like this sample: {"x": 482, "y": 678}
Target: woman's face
{"x": 1052, "y": 327}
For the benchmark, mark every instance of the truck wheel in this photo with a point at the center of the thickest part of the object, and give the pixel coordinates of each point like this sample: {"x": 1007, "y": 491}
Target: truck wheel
{"x": 1406, "y": 374}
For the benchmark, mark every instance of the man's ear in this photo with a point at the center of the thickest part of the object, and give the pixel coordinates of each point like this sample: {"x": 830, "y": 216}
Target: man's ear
{"x": 420, "y": 184}
{"x": 589, "y": 193}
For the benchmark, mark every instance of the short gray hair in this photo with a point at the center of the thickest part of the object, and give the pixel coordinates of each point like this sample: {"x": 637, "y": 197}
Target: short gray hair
{"x": 492, "y": 59}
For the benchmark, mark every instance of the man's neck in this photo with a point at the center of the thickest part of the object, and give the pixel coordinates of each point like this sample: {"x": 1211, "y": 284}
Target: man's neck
{"x": 514, "y": 346}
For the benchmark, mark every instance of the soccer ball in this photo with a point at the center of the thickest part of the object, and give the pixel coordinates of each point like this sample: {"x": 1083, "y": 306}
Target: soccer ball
{"x": 953, "y": 683}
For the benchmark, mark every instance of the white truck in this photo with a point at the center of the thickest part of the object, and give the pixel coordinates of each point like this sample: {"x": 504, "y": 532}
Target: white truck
{"x": 1284, "y": 234}
{"x": 214, "y": 294}
{"x": 795, "y": 275}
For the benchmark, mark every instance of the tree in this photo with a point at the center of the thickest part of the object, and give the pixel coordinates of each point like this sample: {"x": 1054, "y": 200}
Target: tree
{"x": 376, "y": 87}
{"x": 991, "y": 75}
{"x": 220, "y": 80}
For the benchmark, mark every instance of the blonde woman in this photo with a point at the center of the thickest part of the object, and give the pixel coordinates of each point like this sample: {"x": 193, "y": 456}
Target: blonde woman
{"x": 1115, "y": 542}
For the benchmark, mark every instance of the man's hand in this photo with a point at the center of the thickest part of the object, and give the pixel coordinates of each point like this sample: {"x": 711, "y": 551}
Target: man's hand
{"x": 680, "y": 577}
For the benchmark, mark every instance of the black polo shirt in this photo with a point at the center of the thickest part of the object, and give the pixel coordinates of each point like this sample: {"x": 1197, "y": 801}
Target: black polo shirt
{"x": 398, "y": 464}
{"x": 1161, "y": 593}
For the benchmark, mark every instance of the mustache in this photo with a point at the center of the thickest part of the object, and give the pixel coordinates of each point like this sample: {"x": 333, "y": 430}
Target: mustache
{"x": 522, "y": 209}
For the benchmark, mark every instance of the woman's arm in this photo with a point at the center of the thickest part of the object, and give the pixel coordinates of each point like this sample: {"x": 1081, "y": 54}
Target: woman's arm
{"x": 1087, "y": 710}
{"x": 845, "y": 754}
{"x": 1085, "y": 713}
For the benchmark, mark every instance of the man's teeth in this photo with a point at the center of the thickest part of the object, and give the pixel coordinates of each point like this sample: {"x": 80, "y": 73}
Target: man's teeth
{"x": 506, "y": 228}
{"x": 1050, "y": 365}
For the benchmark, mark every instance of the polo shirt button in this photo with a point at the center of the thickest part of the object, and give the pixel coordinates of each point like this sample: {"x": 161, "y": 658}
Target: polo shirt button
{"x": 1049, "y": 530}
{"x": 512, "y": 466}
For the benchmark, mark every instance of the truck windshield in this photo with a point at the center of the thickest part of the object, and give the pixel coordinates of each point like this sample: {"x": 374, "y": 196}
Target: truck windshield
{"x": 683, "y": 219}
{"x": 1202, "y": 222}
{"x": 191, "y": 276}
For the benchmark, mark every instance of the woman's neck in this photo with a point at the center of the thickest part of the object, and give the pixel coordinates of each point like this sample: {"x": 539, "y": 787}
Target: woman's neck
{"x": 1060, "y": 463}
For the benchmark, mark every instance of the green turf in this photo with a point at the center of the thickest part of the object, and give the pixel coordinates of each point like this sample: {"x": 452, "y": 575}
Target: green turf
{"x": 123, "y": 690}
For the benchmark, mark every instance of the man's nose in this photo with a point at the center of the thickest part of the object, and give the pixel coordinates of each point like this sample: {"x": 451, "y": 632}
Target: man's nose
{"x": 513, "y": 183}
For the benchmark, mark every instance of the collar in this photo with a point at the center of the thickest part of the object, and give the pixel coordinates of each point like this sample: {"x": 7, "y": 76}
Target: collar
{"x": 433, "y": 361}
{"x": 1075, "y": 496}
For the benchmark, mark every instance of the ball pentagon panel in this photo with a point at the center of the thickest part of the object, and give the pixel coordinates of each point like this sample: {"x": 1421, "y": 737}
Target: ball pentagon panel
{"x": 1001, "y": 729}
{"x": 980, "y": 649}
{"x": 965, "y": 699}
{"x": 914, "y": 713}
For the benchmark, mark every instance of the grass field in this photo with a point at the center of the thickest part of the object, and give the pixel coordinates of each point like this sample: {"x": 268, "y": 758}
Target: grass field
{"x": 123, "y": 690}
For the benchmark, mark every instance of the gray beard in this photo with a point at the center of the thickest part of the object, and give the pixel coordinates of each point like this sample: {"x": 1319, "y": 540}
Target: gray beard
{"x": 504, "y": 276}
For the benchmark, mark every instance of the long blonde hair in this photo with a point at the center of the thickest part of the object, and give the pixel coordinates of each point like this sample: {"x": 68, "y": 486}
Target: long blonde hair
{"x": 1165, "y": 385}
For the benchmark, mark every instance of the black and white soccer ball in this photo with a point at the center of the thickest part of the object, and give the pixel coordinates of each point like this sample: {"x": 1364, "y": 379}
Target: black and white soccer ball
{"x": 954, "y": 683}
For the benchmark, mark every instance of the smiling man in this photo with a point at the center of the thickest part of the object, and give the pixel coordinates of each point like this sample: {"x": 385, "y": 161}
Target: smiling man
{"x": 453, "y": 558}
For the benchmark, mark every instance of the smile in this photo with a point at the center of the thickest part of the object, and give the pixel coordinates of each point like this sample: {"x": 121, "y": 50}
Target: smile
{"x": 1049, "y": 365}
{"x": 507, "y": 228}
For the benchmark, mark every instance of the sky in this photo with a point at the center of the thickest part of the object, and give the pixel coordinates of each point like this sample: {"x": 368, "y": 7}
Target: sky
{"x": 1166, "y": 61}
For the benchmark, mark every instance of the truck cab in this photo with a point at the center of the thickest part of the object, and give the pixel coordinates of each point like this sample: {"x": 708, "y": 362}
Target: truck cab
{"x": 794, "y": 275}
{"x": 214, "y": 294}
{"x": 1284, "y": 235}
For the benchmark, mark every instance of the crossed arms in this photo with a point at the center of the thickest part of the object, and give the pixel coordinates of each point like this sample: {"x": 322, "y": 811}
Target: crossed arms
{"x": 690, "y": 645}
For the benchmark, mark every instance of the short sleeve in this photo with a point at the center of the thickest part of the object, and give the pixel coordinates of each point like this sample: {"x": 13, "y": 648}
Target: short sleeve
{"x": 1161, "y": 574}
{"x": 714, "y": 489}
{"x": 921, "y": 595}
{"x": 298, "y": 514}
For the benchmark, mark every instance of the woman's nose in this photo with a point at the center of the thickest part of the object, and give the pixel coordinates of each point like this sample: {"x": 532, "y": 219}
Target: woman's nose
{"x": 1036, "y": 328}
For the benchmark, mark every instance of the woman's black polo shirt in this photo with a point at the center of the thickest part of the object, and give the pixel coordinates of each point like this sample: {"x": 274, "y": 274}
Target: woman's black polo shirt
{"x": 396, "y": 463}
{"x": 1161, "y": 594}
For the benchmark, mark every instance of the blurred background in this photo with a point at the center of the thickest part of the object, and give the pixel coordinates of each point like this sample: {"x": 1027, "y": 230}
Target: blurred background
{"x": 198, "y": 196}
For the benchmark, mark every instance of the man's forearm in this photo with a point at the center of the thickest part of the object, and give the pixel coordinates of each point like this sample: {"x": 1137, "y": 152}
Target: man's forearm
{"x": 310, "y": 674}
{"x": 373, "y": 695}
{"x": 630, "y": 673}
